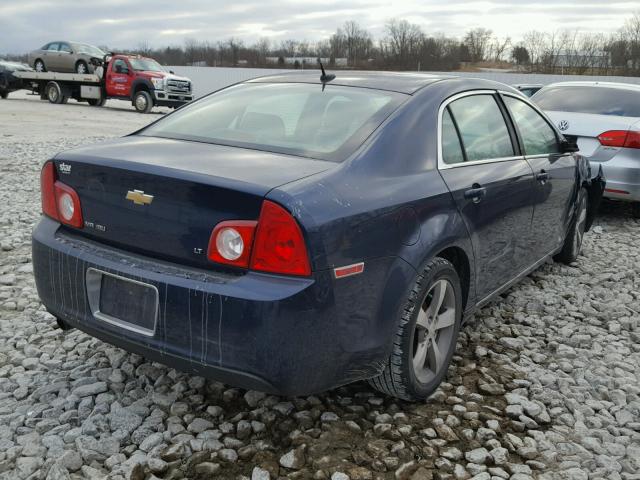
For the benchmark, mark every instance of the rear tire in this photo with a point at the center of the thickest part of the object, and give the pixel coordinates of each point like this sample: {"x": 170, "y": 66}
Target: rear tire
{"x": 39, "y": 66}
{"x": 53, "y": 93}
{"x": 573, "y": 241}
{"x": 426, "y": 334}
{"x": 97, "y": 102}
{"x": 143, "y": 102}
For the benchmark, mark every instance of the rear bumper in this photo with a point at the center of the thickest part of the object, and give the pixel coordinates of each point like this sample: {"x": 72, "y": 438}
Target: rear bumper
{"x": 290, "y": 336}
{"x": 623, "y": 176}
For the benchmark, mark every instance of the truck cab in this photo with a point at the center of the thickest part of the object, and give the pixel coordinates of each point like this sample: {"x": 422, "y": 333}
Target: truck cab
{"x": 145, "y": 82}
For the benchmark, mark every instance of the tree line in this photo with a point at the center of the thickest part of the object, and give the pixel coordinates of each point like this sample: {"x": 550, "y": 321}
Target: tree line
{"x": 406, "y": 46}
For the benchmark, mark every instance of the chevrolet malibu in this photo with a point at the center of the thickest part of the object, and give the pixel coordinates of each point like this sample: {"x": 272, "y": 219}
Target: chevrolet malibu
{"x": 291, "y": 234}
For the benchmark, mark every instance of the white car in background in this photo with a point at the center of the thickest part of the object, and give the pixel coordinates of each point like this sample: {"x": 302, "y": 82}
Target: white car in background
{"x": 604, "y": 119}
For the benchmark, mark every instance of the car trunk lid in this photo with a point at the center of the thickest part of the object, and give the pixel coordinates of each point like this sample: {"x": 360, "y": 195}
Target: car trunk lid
{"x": 163, "y": 197}
{"x": 585, "y": 129}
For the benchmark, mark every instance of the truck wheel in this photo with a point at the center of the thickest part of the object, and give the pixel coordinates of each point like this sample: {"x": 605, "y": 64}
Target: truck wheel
{"x": 82, "y": 67}
{"x": 39, "y": 66}
{"x": 635, "y": 209}
{"x": 97, "y": 102}
{"x": 4, "y": 94}
{"x": 143, "y": 101}
{"x": 54, "y": 92}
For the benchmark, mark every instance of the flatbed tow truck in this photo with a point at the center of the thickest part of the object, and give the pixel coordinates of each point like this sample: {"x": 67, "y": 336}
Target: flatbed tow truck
{"x": 134, "y": 78}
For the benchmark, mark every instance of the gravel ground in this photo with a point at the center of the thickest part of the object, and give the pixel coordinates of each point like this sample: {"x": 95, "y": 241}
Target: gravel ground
{"x": 545, "y": 383}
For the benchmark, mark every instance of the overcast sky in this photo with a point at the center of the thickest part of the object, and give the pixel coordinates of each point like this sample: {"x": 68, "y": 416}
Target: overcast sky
{"x": 28, "y": 24}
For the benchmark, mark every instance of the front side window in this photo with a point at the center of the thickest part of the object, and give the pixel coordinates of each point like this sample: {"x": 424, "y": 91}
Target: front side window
{"x": 120, "y": 66}
{"x": 64, "y": 47}
{"x": 451, "y": 148}
{"x": 537, "y": 135}
{"x": 482, "y": 127}
{"x": 53, "y": 47}
{"x": 297, "y": 118}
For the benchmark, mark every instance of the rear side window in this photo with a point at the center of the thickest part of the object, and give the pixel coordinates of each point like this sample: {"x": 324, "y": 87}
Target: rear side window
{"x": 451, "y": 148}
{"x": 300, "y": 119}
{"x": 537, "y": 135}
{"x": 484, "y": 133}
{"x": 583, "y": 99}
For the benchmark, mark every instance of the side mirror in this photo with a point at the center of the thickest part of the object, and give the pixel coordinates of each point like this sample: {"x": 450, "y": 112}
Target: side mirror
{"x": 171, "y": 71}
{"x": 568, "y": 146}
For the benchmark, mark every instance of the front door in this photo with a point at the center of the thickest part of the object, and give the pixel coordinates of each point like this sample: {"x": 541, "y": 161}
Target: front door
{"x": 118, "y": 82}
{"x": 492, "y": 187}
{"x": 554, "y": 172}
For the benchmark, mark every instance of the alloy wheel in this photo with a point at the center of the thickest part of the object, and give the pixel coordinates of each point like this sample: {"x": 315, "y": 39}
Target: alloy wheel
{"x": 434, "y": 331}
{"x": 81, "y": 68}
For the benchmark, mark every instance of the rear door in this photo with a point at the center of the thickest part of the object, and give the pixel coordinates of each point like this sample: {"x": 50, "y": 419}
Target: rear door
{"x": 491, "y": 183}
{"x": 554, "y": 172}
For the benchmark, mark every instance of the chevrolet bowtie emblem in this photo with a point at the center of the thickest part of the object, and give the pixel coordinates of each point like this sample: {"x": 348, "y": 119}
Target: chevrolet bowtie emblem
{"x": 139, "y": 197}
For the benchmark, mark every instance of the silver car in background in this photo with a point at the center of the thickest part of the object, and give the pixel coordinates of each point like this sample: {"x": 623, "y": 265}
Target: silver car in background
{"x": 63, "y": 56}
{"x": 604, "y": 119}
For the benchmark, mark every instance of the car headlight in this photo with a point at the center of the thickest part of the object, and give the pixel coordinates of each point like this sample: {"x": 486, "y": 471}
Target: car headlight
{"x": 158, "y": 83}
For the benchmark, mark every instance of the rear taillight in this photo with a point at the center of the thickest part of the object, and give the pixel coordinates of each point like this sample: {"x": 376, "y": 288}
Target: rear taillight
{"x": 279, "y": 246}
{"x": 273, "y": 244}
{"x": 59, "y": 201}
{"x": 231, "y": 241}
{"x": 47, "y": 190}
{"x": 620, "y": 138}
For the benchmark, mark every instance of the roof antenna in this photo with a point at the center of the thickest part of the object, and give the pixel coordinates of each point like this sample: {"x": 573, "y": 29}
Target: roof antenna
{"x": 324, "y": 78}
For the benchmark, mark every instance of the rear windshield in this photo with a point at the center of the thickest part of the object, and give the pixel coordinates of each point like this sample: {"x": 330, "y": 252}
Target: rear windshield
{"x": 295, "y": 118}
{"x": 598, "y": 100}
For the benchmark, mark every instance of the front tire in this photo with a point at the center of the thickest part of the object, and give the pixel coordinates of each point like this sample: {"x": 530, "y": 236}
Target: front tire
{"x": 143, "y": 102}
{"x": 38, "y": 66}
{"x": 573, "y": 241}
{"x": 426, "y": 335}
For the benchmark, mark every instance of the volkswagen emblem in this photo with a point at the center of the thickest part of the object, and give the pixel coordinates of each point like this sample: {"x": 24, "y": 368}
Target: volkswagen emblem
{"x": 563, "y": 125}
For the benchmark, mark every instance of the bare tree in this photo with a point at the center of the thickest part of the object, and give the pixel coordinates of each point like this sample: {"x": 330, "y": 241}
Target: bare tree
{"x": 477, "y": 42}
{"x": 402, "y": 42}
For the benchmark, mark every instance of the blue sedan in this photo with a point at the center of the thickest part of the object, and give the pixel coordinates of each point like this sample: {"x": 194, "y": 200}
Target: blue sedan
{"x": 293, "y": 233}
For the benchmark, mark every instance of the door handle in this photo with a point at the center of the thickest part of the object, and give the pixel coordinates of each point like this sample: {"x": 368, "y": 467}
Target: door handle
{"x": 542, "y": 176}
{"x": 475, "y": 193}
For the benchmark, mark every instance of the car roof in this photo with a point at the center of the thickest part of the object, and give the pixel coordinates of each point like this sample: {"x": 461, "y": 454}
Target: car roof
{"x": 620, "y": 85}
{"x": 401, "y": 82}
{"x": 528, "y": 85}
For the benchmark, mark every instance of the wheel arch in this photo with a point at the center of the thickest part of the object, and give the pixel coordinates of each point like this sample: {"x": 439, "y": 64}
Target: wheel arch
{"x": 140, "y": 84}
{"x": 460, "y": 260}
